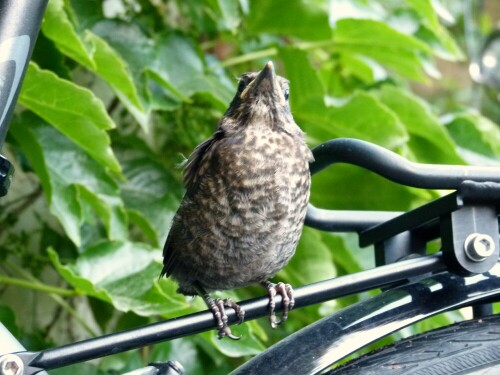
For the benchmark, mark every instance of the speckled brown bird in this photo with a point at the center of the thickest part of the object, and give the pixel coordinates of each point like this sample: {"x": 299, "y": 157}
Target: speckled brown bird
{"x": 247, "y": 190}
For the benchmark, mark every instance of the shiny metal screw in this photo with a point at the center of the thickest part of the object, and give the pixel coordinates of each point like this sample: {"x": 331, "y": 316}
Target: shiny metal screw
{"x": 479, "y": 246}
{"x": 11, "y": 364}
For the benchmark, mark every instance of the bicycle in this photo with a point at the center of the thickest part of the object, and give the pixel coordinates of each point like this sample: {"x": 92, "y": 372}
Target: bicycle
{"x": 415, "y": 285}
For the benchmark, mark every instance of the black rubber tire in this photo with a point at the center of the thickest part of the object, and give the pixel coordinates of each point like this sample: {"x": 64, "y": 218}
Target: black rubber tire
{"x": 470, "y": 347}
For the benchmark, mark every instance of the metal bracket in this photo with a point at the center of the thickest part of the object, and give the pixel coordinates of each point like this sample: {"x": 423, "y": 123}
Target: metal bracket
{"x": 469, "y": 239}
{"x": 466, "y": 221}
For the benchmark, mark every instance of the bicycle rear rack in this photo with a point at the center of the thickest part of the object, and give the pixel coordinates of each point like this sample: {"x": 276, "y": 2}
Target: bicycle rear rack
{"x": 399, "y": 240}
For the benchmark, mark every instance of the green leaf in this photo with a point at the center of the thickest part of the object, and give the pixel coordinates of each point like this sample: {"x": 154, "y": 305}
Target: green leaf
{"x": 397, "y": 51}
{"x": 248, "y": 345}
{"x": 175, "y": 70}
{"x": 180, "y": 68}
{"x": 362, "y": 116}
{"x": 312, "y": 261}
{"x": 477, "y": 137}
{"x": 430, "y": 141}
{"x": 91, "y": 51}
{"x": 365, "y": 117}
{"x": 73, "y": 110}
{"x": 113, "y": 69}
{"x": 339, "y": 187}
{"x": 68, "y": 176}
{"x": 306, "y": 89}
{"x": 300, "y": 18}
{"x": 151, "y": 194}
{"x": 58, "y": 27}
{"x": 425, "y": 9}
{"x": 357, "y": 66}
{"x": 123, "y": 274}
{"x": 109, "y": 209}
{"x": 81, "y": 284}
{"x": 230, "y": 14}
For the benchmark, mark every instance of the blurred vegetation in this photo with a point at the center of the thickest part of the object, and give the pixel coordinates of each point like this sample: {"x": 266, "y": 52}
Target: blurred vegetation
{"x": 119, "y": 92}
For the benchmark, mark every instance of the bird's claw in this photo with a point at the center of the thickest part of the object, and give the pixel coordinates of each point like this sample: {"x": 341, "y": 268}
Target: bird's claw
{"x": 217, "y": 307}
{"x": 287, "y": 299}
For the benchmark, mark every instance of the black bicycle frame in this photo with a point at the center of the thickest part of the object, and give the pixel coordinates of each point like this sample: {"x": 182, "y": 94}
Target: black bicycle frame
{"x": 399, "y": 240}
{"x": 19, "y": 26}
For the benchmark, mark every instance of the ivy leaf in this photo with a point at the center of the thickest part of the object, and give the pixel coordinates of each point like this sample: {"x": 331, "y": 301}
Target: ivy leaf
{"x": 430, "y": 141}
{"x": 183, "y": 72}
{"x": 230, "y": 14}
{"x": 397, "y": 51}
{"x": 58, "y": 27}
{"x": 337, "y": 188}
{"x": 248, "y": 345}
{"x": 302, "y": 19}
{"x": 89, "y": 50}
{"x": 169, "y": 78}
{"x": 425, "y": 8}
{"x": 113, "y": 69}
{"x": 477, "y": 137}
{"x": 308, "y": 266}
{"x": 73, "y": 110}
{"x": 123, "y": 273}
{"x": 362, "y": 116}
{"x": 151, "y": 194}
{"x": 69, "y": 176}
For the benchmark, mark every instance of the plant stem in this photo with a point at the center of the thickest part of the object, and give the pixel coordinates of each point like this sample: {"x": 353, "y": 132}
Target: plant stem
{"x": 32, "y": 281}
{"x": 270, "y": 52}
{"x": 247, "y": 57}
{"x": 37, "y": 286}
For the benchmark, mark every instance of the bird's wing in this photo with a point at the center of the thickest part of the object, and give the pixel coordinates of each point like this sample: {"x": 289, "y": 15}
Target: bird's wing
{"x": 199, "y": 162}
{"x": 195, "y": 170}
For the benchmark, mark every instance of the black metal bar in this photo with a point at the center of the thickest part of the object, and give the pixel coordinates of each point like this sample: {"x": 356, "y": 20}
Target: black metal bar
{"x": 427, "y": 214}
{"x": 344, "y": 220}
{"x": 327, "y": 341}
{"x": 396, "y": 168}
{"x": 19, "y": 26}
{"x": 203, "y": 321}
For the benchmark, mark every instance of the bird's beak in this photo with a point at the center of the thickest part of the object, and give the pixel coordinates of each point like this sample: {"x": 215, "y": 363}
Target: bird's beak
{"x": 264, "y": 82}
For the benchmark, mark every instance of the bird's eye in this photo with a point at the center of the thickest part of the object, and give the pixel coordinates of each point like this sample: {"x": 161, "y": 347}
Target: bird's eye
{"x": 286, "y": 93}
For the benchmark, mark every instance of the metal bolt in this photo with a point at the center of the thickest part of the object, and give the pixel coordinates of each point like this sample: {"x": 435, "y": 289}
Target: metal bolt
{"x": 11, "y": 364}
{"x": 479, "y": 246}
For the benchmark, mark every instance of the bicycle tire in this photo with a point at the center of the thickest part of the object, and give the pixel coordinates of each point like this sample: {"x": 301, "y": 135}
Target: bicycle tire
{"x": 469, "y": 347}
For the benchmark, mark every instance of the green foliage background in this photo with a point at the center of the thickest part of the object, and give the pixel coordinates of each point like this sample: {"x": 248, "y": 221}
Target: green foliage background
{"x": 115, "y": 99}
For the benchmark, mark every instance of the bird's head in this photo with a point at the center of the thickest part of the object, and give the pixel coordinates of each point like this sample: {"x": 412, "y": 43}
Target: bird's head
{"x": 261, "y": 97}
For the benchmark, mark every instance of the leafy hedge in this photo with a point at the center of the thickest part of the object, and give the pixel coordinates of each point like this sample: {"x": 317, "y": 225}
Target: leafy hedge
{"x": 119, "y": 93}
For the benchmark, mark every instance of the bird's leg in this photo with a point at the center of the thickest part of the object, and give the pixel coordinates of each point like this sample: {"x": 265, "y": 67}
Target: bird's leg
{"x": 286, "y": 292}
{"x": 217, "y": 307}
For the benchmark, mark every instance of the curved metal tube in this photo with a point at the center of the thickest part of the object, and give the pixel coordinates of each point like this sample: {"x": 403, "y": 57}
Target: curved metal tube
{"x": 346, "y": 220}
{"x": 326, "y": 341}
{"x": 396, "y": 168}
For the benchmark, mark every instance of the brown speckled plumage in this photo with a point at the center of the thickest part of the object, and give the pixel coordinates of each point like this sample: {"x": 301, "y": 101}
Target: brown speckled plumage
{"x": 247, "y": 189}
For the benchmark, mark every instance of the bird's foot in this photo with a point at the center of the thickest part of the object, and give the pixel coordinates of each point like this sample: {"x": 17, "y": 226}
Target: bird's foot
{"x": 286, "y": 292}
{"x": 217, "y": 306}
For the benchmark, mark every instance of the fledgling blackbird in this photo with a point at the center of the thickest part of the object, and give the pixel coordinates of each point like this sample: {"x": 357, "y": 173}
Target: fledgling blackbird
{"x": 247, "y": 190}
